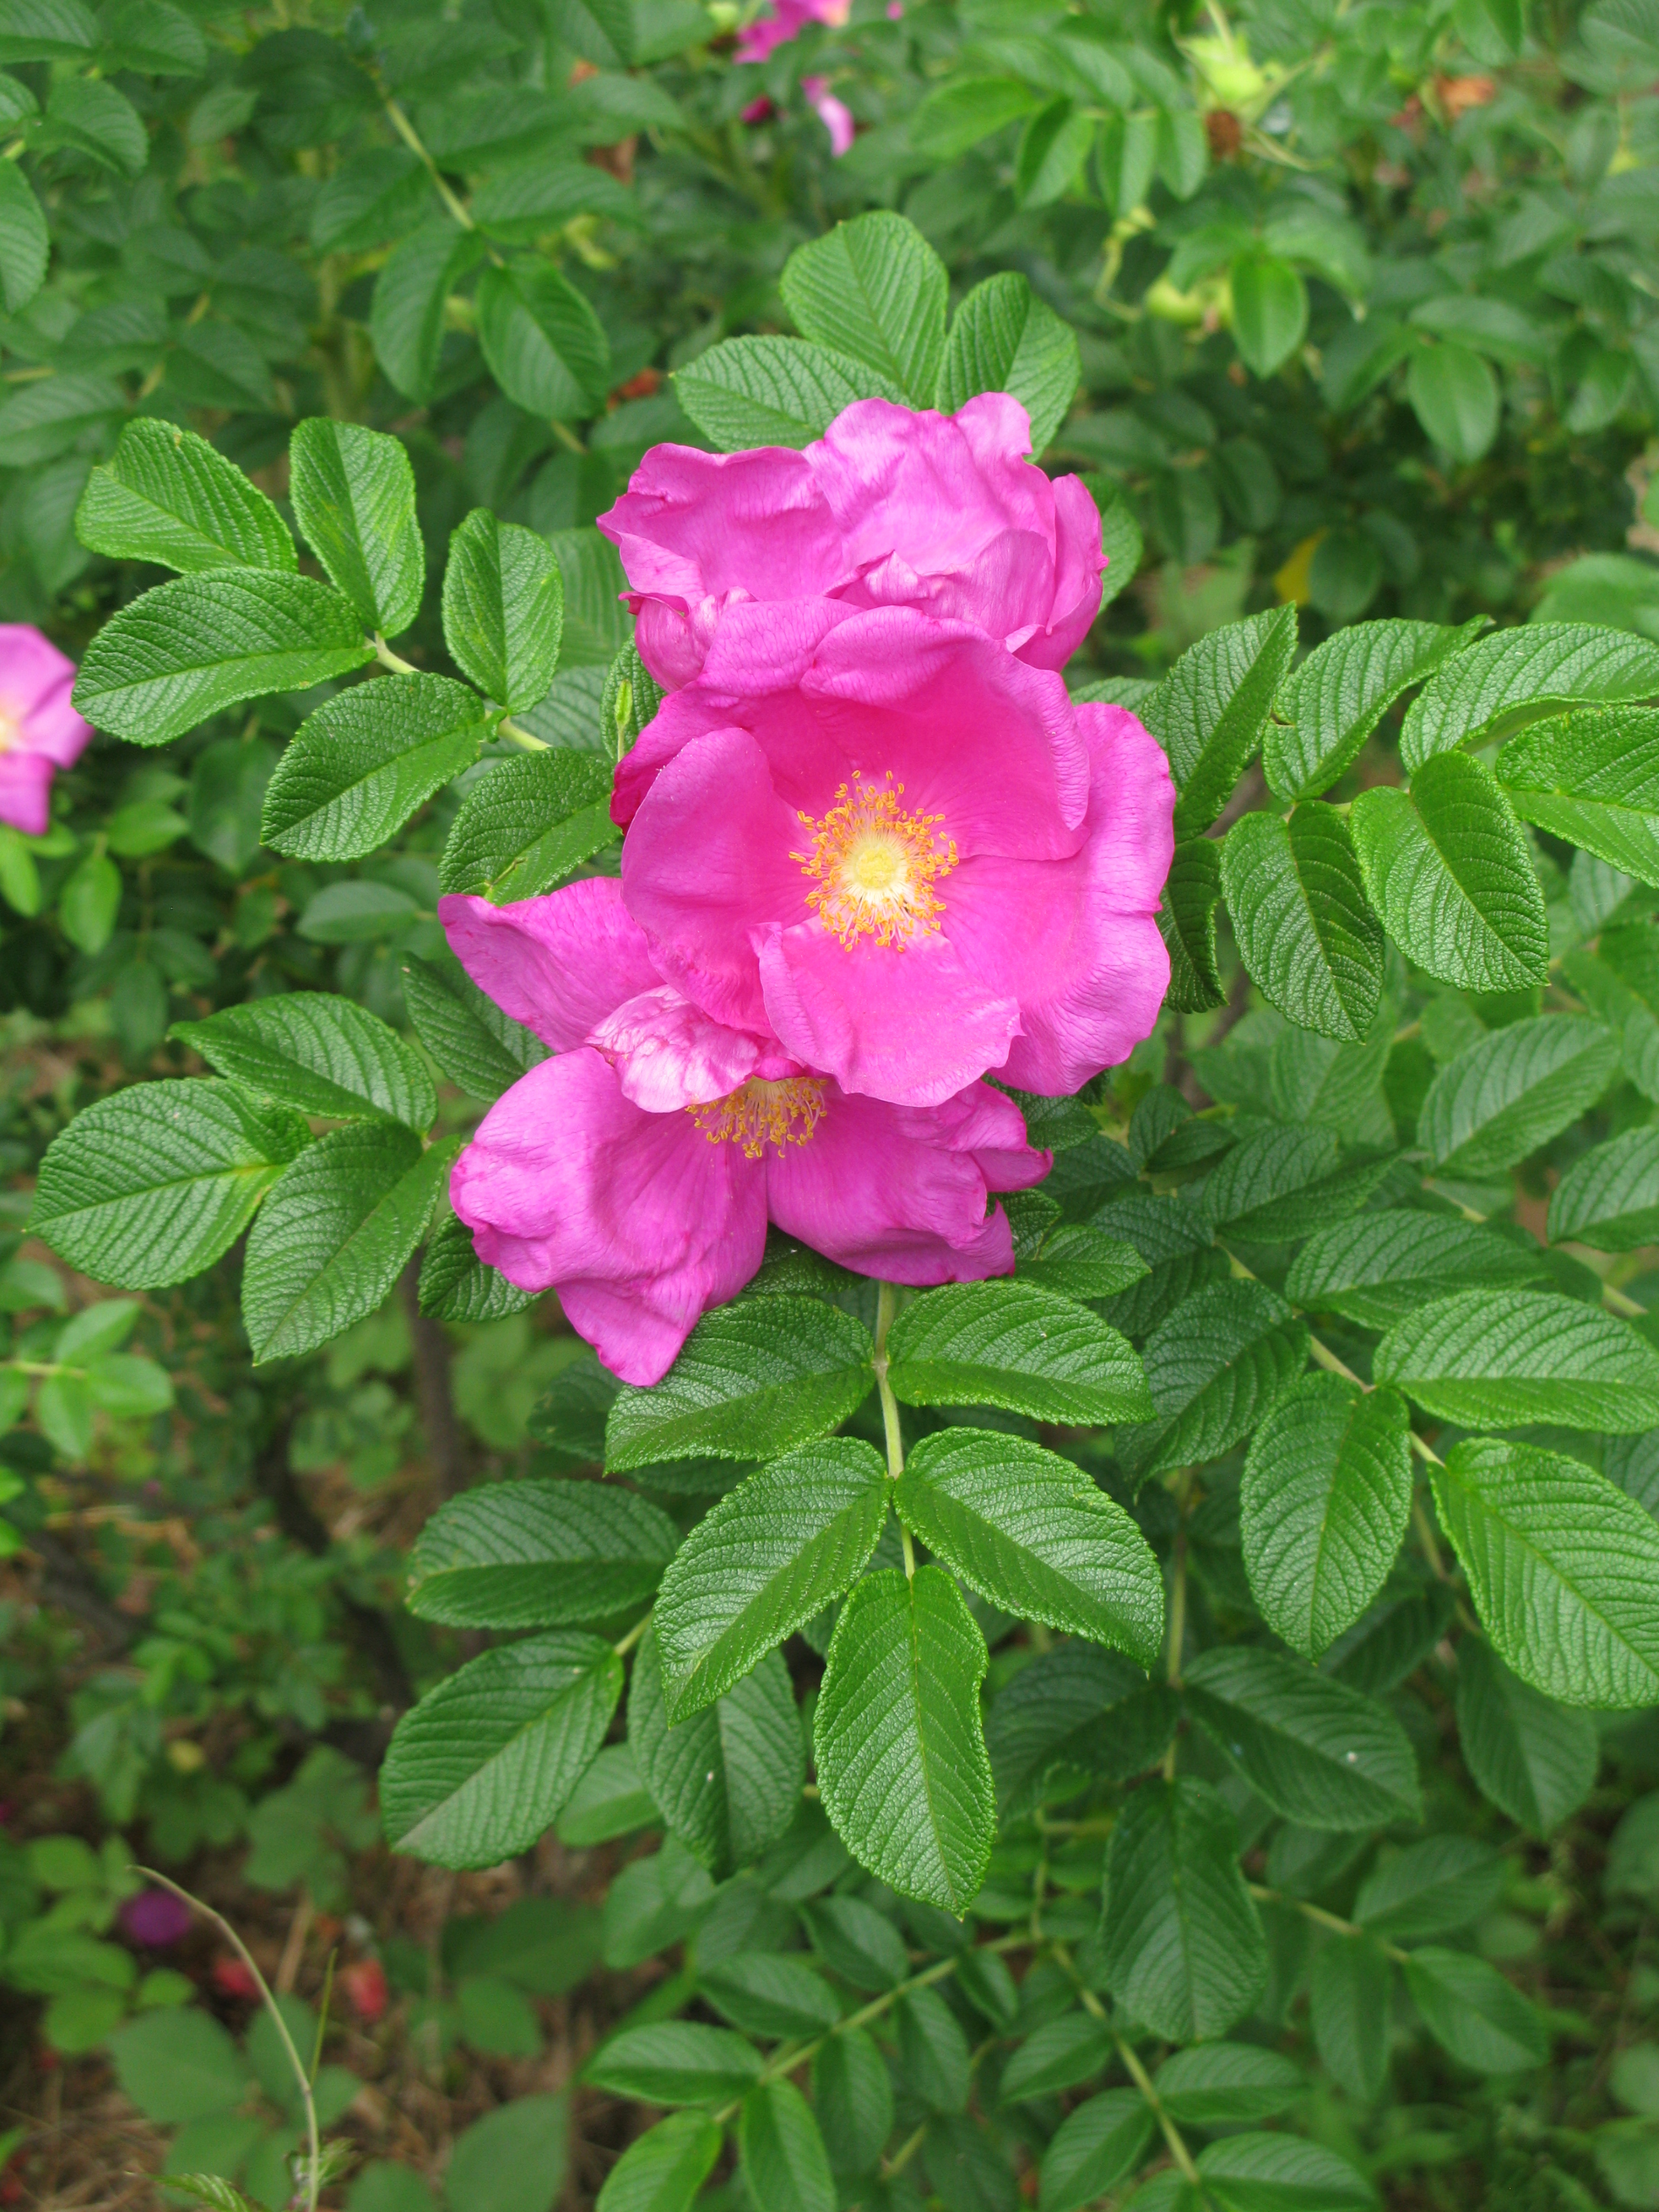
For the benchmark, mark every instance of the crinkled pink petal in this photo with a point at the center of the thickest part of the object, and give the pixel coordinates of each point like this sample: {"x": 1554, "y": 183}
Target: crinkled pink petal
{"x": 835, "y": 114}
{"x": 668, "y": 1054}
{"x": 636, "y": 1219}
{"x": 707, "y": 868}
{"x": 558, "y": 964}
{"x": 1079, "y": 564}
{"x": 908, "y": 1023}
{"x": 986, "y": 1123}
{"x": 891, "y": 1191}
{"x": 26, "y": 792}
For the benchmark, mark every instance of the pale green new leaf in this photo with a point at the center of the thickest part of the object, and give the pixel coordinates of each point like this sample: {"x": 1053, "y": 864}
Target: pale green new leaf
{"x": 1181, "y": 1947}
{"x": 503, "y": 608}
{"x": 335, "y": 1232}
{"x": 525, "y": 826}
{"x": 1538, "y": 666}
{"x": 318, "y": 1053}
{"x": 1004, "y": 338}
{"x": 1382, "y": 1267}
{"x": 356, "y": 769}
{"x": 1496, "y": 1360}
{"x": 785, "y": 2166}
{"x": 1468, "y": 2008}
{"x": 1033, "y": 1535}
{"x": 728, "y": 1779}
{"x": 772, "y": 391}
{"x": 1448, "y": 870}
{"x": 1592, "y": 778}
{"x": 480, "y": 1768}
{"x": 1533, "y": 1759}
{"x": 874, "y": 290}
{"x": 1325, "y": 1499}
{"x": 1209, "y": 711}
{"x": 1329, "y": 706}
{"x": 1304, "y": 932}
{"x": 1008, "y": 1344}
{"x": 539, "y": 1554}
{"x": 771, "y": 1554}
{"x": 900, "y": 1753}
{"x": 1512, "y": 1090}
{"x": 1320, "y": 1753}
{"x": 1609, "y": 1197}
{"x": 1563, "y": 1566}
{"x": 353, "y": 494}
{"x": 190, "y": 648}
{"x": 1214, "y": 1367}
{"x": 753, "y": 1379}
{"x": 151, "y": 1184}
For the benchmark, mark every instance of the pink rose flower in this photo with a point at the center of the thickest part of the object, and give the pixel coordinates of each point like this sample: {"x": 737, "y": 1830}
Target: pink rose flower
{"x": 39, "y": 730}
{"x": 888, "y": 508}
{"x": 902, "y": 852}
{"x": 788, "y": 20}
{"x": 636, "y": 1171}
{"x": 835, "y": 114}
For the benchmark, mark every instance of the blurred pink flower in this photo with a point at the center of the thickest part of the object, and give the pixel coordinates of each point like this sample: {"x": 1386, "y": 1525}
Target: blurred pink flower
{"x": 835, "y": 114}
{"x": 787, "y": 21}
{"x": 156, "y": 1918}
{"x": 890, "y": 507}
{"x": 39, "y": 730}
{"x": 636, "y": 1171}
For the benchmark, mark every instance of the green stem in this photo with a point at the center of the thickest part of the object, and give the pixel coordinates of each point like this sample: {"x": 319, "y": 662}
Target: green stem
{"x": 394, "y": 661}
{"x": 626, "y": 1644}
{"x": 507, "y": 727}
{"x": 1321, "y": 1918}
{"x": 1137, "y": 2072}
{"x": 411, "y": 138}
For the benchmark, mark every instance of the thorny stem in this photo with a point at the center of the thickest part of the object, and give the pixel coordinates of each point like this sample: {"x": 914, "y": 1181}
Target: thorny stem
{"x": 314, "y": 2163}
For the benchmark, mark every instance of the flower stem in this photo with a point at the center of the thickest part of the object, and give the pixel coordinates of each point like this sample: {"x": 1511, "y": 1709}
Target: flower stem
{"x": 890, "y": 1412}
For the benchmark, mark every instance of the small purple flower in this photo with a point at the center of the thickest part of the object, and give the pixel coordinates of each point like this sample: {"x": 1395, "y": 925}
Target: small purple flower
{"x": 156, "y": 1918}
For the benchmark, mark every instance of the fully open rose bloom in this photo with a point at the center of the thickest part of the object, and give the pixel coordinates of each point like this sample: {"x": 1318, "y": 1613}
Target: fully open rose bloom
{"x": 902, "y": 852}
{"x": 888, "y": 508}
{"x": 636, "y": 1171}
{"x": 39, "y": 730}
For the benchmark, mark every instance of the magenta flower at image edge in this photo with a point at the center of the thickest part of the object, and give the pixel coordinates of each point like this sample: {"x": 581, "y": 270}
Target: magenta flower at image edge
{"x": 39, "y": 730}
{"x": 636, "y": 1171}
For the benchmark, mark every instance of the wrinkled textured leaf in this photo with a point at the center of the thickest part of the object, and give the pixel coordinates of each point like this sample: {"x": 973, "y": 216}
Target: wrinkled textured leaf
{"x": 1328, "y": 706}
{"x": 1311, "y": 943}
{"x": 537, "y": 1555}
{"x": 1496, "y": 1359}
{"x": 527, "y": 824}
{"x": 1004, "y": 338}
{"x": 1514, "y": 1090}
{"x": 873, "y": 289}
{"x": 318, "y": 1053}
{"x": 1005, "y": 1344}
{"x": 1182, "y": 1948}
{"x": 728, "y": 1779}
{"x": 503, "y": 608}
{"x": 1322, "y": 1754}
{"x": 354, "y": 493}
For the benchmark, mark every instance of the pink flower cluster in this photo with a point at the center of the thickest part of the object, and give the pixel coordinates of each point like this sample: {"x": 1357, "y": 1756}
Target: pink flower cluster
{"x": 39, "y": 730}
{"x": 873, "y": 853}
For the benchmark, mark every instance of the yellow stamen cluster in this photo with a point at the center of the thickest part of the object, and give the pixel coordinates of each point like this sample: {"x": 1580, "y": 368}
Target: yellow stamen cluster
{"x": 876, "y": 866}
{"x": 758, "y": 1114}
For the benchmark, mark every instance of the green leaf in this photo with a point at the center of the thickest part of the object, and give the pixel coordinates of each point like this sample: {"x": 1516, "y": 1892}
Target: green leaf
{"x": 1562, "y": 1566}
{"x": 1280, "y": 2173}
{"x": 52, "y": 415}
{"x": 1533, "y": 1759}
{"x": 1094, "y": 2148}
{"x": 356, "y": 769}
{"x": 1326, "y": 1496}
{"x": 512, "y": 2160}
{"x": 95, "y": 119}
{"x": 1538, "y": 666}
{"x": 675, "y": 2062}
{"x": 503, "y": 609}
{"x": 900, "y": 1753}
{"x": 480, "y": 1768}
{"x": 873, "y": 289}
{"x": 1609, "y": 1197}
{"x": 1382, "y": 1267}
{"x": 1320, "y": 1753}
{"x": 473, "y": 1042}
{"x": 1283, "y": 1183}
{"x": 1004, "y": 338}
{"x": 772, "y": 391}
{"x": 1186, "y": 920}
{"x": 1348, "y": 1990}
{"x": 1330, "y": 705}
{"x": 1470, "y": 2011}
{"x": 662, "y": 2170}
{"x": 1226, "y": 2085}
{"x": 781, "y": 2152}
{"x": 1432, "y": 1887}
{"x": 1033, "y": 1535}
{"x": 1270, "y": 312}
{"x": 318, "y": 1052}
{"x": 958, "y": 114}
{"x": 1448, "y": 870}
{"x": 1209, "y": 711}
{"x": 1076, "y": 1711}
{"x": 373, "y": 198}
{"x": 89, "y": 902}
{"x": 1058, "y": 2054}
{"x": 176, "y": 2066}
{"x": 1081, "y": 1261}
{"x": 545, "y": 346}
{"x": 630, "y": 700}
{"x": 1003, "y": 1344}
{"x": 353, "y": 494}
{"x": 335, "y": 1232}
{"x": 530, "y": 822}
{"x": 1592, "y": 778}
{"x": 1512, "y": 1090}
{"x": 1620, "y": 980}
{"x": 1312, "y": 945}
{"x": 1496, "y": 1359}
{"x": 852, "y": 2096}
{"x": 727, "y": 1779}
{"x": 406, "y": 319}
{"x": 1181, "y": 1948}
{"x": 1214, "y": 1367}
{"x": 754, "y": 1379}
{"x": 455, "y": 1285}
{"x": 770, "y": 1995}
{"x": 1455, "y": 396}
{"x": 1053, "y": 148}
{"x": 771, "y": 1554}
{"x": 537, "y": 1555}
{"x": 25, "y": 247}
{"x": 46, "y": 31}
{"x": 153, "y": 1183}
{"x": 189, "y": 649}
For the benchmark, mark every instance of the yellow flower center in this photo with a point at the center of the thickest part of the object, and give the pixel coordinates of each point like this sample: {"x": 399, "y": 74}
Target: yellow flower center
{"x": 876, "y": 866}
{"x": 758, "y": 1114}
{"x": 11, "y": 726}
